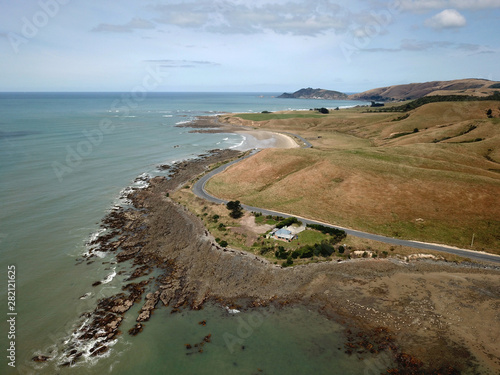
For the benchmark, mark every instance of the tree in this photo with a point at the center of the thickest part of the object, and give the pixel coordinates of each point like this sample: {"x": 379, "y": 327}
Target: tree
{"x": 287, "y": 222}
{"x": 233, "y": 205}
{"x": 235, "y": 208}
{"x": 489, "y": 113}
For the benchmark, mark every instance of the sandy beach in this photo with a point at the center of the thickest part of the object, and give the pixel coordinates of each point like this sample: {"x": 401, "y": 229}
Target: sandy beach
{"x": 252, "y": 138}
{"x": 264, "y": 139}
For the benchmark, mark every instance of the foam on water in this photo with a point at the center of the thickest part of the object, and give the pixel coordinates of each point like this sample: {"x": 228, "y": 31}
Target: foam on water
{"x": 241, "y": 143}
{"x": 231, "y": 311}
{"x": 110, "y": 277}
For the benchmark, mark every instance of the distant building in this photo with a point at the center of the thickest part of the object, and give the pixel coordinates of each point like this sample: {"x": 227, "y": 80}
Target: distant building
{"x": 283, "y": 234}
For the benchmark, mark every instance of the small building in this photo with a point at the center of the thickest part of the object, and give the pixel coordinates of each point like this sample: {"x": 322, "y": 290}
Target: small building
{"x": 283, "y": 234}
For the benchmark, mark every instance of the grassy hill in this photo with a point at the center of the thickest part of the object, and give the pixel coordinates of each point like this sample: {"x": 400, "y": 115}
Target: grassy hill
{"x": 474, "y": 87}
{"x": 433, "y": 175}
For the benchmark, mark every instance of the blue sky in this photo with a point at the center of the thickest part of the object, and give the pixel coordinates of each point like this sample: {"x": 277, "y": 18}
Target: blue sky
{"x": 235, "y": 45}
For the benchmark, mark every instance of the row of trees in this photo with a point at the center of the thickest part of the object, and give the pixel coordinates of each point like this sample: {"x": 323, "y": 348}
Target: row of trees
{"x": 325, "y": 249}
{"x": 337, "y": 234}
{"x": 288, "y": 221}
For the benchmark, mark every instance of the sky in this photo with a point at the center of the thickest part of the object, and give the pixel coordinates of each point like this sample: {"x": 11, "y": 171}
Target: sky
{"x": 244, "y": 46}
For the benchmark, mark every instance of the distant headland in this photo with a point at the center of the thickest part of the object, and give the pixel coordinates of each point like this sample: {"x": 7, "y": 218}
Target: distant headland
{"x": 472, "y": 87}
{"x": 311, "y": 93}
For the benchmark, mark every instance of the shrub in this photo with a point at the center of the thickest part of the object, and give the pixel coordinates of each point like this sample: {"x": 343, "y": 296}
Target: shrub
{"x": 235, "y": 208}
{"x": 337, "y": 234}
{"x": 341, "y": 249}
{"x": 223, "y": 243}
{"x": 281, "y": 253}
{"x": 287, "y": 222}
{"x": 306, "y": 252}
{"x": 264, "y": 250}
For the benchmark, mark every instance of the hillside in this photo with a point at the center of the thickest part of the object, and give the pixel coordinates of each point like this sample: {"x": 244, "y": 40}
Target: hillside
{"x": 474, "y": 87}
{"x": 311, "y": 93}
{"x": 431, "y": 174}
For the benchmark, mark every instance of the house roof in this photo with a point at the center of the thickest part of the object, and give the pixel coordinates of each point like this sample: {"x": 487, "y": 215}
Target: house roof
{"x": 284, "y": 233}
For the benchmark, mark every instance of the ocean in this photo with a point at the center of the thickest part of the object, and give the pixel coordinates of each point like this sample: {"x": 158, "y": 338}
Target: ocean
{"x": 65, "y": 158}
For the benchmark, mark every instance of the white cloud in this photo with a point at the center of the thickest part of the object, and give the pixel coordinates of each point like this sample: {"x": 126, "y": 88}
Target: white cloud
{"x": 182, "y": 63}
{"x": 447, "y": 19}
{"x": 231, "y": 17}
{"x": 412, "y": 45}
{"x": 425, "y": 5}
{"x": 135, "y": 23}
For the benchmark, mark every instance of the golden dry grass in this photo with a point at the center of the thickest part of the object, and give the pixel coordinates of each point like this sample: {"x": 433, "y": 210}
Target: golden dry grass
{"x": 437, "y": 185}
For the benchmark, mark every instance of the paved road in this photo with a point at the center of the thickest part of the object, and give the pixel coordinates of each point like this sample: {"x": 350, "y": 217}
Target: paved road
{"x": 199, "y": 190}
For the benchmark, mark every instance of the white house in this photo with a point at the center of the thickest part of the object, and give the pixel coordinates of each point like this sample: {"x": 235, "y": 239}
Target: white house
{"x": 283, "y": 234}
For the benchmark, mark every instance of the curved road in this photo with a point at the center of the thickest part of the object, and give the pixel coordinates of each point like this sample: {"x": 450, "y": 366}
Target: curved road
{"x": 199, "y": 190}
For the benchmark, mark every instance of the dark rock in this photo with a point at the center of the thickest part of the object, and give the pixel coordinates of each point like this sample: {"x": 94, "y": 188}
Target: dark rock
{"x": 101, "y": 350}
{"x": 136, "y": 329}
{"x": 40, "y": 358}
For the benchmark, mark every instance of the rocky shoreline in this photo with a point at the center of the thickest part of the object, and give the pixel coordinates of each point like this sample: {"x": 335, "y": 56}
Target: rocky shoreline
{"x": 158, "y": 234}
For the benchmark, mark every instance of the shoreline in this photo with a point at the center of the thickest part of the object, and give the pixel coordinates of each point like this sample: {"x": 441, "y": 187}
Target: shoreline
{"x": 252, "y": 138}
{"x": 363, "y": 296}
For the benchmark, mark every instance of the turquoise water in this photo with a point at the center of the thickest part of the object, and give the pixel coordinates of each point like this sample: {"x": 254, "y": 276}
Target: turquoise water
{"x": 64, "y": 158}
